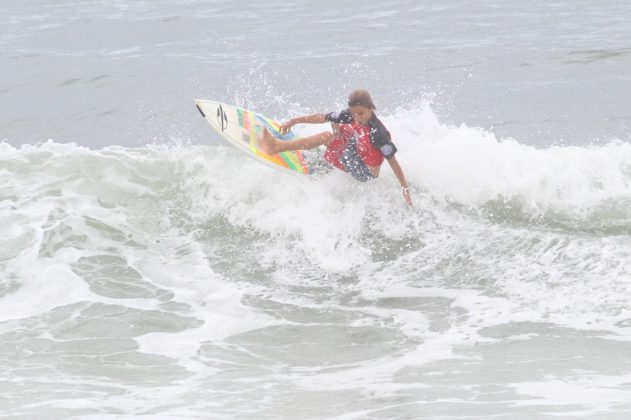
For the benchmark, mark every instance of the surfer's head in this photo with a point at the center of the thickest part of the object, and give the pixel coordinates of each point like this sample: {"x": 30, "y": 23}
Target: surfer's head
{"x": 361, "y": 105}
{"x": 361, "y": 97}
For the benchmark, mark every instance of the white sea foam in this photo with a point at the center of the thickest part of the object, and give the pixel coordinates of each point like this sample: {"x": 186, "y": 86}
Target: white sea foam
{"x": 472, "y": 166}
{"x": 213, "y": 263}
{"x": 592, "y": 394}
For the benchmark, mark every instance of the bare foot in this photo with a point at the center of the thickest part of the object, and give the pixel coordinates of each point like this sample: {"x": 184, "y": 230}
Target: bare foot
{"x": 269, "y": 143}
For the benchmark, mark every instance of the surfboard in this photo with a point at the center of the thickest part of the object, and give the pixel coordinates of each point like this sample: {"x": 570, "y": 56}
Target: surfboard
{"x": 241, "y": 128}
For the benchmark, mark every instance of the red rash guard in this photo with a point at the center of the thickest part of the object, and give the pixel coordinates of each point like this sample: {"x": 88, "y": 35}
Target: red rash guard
{"x": 357, "y": 146}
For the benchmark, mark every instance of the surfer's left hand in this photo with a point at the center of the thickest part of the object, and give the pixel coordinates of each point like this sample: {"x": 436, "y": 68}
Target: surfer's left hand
{"x": 406, "y": 197}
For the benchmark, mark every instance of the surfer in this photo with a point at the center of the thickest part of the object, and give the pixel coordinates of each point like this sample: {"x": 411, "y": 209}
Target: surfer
{"x": 358, "y": 145}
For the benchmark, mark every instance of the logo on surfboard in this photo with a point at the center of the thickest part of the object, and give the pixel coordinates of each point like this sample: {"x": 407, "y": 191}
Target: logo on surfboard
{"x": 222, "y": 118}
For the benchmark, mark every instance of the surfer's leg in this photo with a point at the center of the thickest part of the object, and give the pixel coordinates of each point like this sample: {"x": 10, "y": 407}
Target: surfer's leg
{"x": 272, "y": 145}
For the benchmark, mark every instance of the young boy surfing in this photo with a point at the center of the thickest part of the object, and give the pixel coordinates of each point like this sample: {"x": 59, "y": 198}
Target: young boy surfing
{"x": 359, "y": 144}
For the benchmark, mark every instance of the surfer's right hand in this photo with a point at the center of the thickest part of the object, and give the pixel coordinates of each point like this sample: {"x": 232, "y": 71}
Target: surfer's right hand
{"x": 286, "y": 126}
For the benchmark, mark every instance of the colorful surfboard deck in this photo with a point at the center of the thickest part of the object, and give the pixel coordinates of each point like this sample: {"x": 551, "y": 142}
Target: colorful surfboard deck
{"x": 242, "y": 128}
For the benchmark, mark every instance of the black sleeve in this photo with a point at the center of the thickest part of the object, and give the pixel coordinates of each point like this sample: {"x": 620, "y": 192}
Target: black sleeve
{"x": 343, "y": 117}
{"x": 381, "y": 139}
{"x": 388, "y": 150}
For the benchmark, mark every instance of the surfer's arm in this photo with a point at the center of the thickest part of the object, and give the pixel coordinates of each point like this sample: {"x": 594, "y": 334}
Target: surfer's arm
{"x": 396, "y": 168}
{"x": 335, "y": 118}
{"x": 305, "y": 119}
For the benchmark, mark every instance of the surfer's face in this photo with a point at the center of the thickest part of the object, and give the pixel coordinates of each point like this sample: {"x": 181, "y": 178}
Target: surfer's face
{"x": 361, "y": 114}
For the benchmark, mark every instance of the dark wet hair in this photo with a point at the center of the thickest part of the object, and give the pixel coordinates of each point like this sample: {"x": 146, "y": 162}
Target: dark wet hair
{"x": 360, "y": 97}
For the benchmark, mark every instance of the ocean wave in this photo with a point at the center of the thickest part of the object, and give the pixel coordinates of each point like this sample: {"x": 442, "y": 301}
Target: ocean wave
{"x": 184, "y": 265}
{"x": 449, "y": 167}
{"x": 570, "y": 187}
